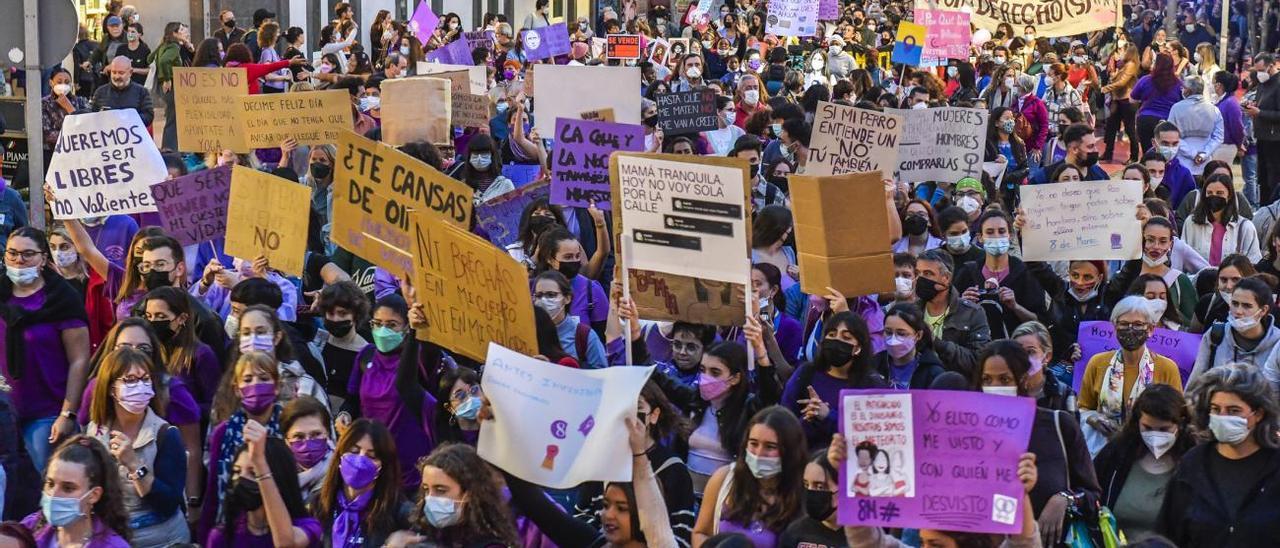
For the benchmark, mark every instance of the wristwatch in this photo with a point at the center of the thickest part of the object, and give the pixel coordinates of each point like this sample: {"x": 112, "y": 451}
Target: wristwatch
{"x": 140, "y": 473}
{"x": 68, "y": 414}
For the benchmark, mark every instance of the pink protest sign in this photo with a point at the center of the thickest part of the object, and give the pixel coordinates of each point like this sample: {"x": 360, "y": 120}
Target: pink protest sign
{"x": 948, "y": 34}
{"x": 933, "y": 459}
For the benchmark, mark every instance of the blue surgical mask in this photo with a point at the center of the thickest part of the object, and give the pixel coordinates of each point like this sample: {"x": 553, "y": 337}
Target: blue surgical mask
{"x": 61, "y": 511}
{"x": 441, "y": 512}
{"x": 996, "y": 246}
{"x": 763, "y": 467}
{"x": 468, "y": 409}
{"x": 481, "y": 161}
{"x": 387, "y": 339}
{"x": 503, "y": 106}
{"x": 22, "y": 276}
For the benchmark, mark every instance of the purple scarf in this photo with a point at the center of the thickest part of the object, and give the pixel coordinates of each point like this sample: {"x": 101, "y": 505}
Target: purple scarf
{"x": 346, "y": 527}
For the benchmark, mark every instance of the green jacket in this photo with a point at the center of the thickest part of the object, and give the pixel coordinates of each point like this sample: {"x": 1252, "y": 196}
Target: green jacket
{"x": 165, "y": 58}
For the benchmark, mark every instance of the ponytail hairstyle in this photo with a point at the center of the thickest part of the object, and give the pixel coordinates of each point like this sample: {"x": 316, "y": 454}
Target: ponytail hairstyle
{"x": 100, "y": 468}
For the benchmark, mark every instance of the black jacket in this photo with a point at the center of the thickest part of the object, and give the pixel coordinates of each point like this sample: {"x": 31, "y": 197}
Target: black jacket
{"x": 964, "y": 333}
{"x": 928, "y": 368}
{"x": 1193, "y": 514}
{"x": 1266, "y": 127}
{"x": 1061, "y": 464}
{"x": 1026, "y": 289}
{"x": 136, "y": 97}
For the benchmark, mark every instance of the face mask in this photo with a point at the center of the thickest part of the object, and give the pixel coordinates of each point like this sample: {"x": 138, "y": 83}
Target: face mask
{"x": 156, "y": 279}
{"x": 835, "y": 352}
{"x": 763, "y": 467}
{"x": 751, "y": 96}
{"x": 441, "y": 512}
{"x": 1159, "y": 442}
{"x": 1156, "y": 181}
{"x": 998, "y": 60}
{"x": 1090, "y": 159}
{"x": 817, "y": 504}
{"x": 1147, "y": 260}
{"x": 321, "y": 171}
{"x": 693, "y": 73}
{"x": 229, "y": 23}
{"x": 969, "y": 204}
{"x": 996, "y": 246}
{"x": 902, "y": 286}
{"x": 1196, "y": 57}
{"x": 952, "y": 72}
{"x": 338, "y": 329}
{"x": 387, "y": 339}
{"x": 1000, "y": 390}
{"x": 570, "y": 269}
{"x": 817, "y": 64}
{"x": 246, "y": 494}
{"x": 261, "y": 342}
{"x": 502, "y": 107}
{"x": 1007, "y": 126}
{"x": 899, "y": 347}
{"x": 920, "y": 106}
{"x": 1215, "y": 203}
{"x": 62, "y": 89}
{"x": 135, "y": 398}
{"x": 1262, "y": 76}
{"x": 927, "y": 289}
{"x": 958, "y": 244}
{"x": 552, "y": 305}
{"x": 369, "y": 103}
{"x": 358, "y": 471}
{"x": 133, "y": 36}
{"x": 61, "y": 511}
{"x": 755, "y": 64}
{"x": 1242, "y": 324}
{"x": 1131, "y": 339}
{"x": 1157, "y": 307}
{"x": 1008, "y": 83}
{"x": 65, "y": 258}
{"x": 404, "y": 50}
{"x": 468, "y": 409}
{"x": 1037, "y": 363}
{"x": 1029, "y": 37}
{"x": 650, "y": 121}
{"x": 915, "y": 225}
{"x": 1228, "y": 429}
{"x": 481, "y": 162}
{"x": 164, "y": 329}
{"x": 777, "y": 130}
{"x": 1190, "y": 28}
{"x": 1167, "y": 152}
{"x": 711, "y": 388}
{"x": 22, "y": 276}
{"x": 232, "y": 327}
{"x": 835, "y": 50}
{"x": 257, "y": 398}
{"x": 310, "y": 452}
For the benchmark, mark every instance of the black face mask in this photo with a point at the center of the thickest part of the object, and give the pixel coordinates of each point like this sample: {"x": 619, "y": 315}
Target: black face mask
{"x": 835, "y": 352}
{"x": 229, "y": 23}
{"x": 570, "y": 268}
{"x": 1089, "y": 159}
{"x": 651, "y": 121}
{"x": 1131, "y": 339}
{"x": 156, "y": 279}
{"x": 926, "y": 289}
{"x": 915, "y": 225}
{"x": 1215, "y": 203}
{"x": 321, "y": 171}
{"x": 817, "y": 504}
{"x": 338, "y": 329}
{"x": 755, "y": 171}
{"x": 163, "y": 328}
{"x": 246, "y": 494}
{"x": 539, "y": 223}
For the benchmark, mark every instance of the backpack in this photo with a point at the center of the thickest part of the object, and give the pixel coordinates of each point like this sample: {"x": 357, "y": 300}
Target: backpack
{"x": 1217, "y": 332}
{"x": 581, "y": 336}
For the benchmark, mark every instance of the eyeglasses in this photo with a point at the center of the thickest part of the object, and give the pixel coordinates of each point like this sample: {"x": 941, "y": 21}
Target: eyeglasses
{"x": 460, "y": 395}
{"x": 159, "y": 266}
{"x": 1132, "y": 325}
{"x": 393, "y": 325}
{"x": 685, "y": 347}
{"x": 143, "y": 347}
{"x": 133, "y": 381}
{"x": 13, "y": 254}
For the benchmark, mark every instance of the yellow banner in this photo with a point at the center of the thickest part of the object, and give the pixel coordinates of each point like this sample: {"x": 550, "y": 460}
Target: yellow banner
{"x": 268, "y": 216}
{"x": 310, "y": 117}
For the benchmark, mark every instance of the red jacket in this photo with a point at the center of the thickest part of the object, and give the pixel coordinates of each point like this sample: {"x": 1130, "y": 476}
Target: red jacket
{"x": 97, "y": 305}
{"x": 256, "y": 71}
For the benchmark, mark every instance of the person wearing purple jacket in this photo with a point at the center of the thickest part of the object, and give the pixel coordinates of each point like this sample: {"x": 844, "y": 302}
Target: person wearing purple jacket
{"x": 1225, "y": 85}
{"x": 1157, "y": 92}
{"x": 1033, "y": 110}
{"x": 1177, "y": 178}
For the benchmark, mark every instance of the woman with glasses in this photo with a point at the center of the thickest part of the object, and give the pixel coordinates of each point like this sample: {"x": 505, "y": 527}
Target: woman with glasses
{"x": 458, "y": 399}
{"x": 125, "y": 417}
{"x": 1114, "y": 379}
{"x": 46, "y": 355}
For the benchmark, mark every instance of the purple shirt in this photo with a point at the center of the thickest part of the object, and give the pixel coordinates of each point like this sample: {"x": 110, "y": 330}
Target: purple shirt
{"x": 375, "y": 381}
{"x": 1179, "y": 180}
{"x": 182, "y": 409}
{"x": 1232, "y": 120}
{"x": 595, "y": 309}
{"x": 1155, "y": 102}
{"x": 43, "y": 387}
{"x": 113, "y": 236}
{"x": 202, "y": 378}
{"x": 47, "y": 537}
{"x": 242, "y": 538}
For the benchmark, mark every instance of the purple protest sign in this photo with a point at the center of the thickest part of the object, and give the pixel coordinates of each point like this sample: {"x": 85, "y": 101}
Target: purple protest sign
{"x": 580, "y": 161}
{"x": 1097, "y": 337}
{"x": 424, "y": 21}
{"x": 828, "y": 10}
{"x": 456, "y": 52}
{"x": 193, "y": 208}
{"x": 521, "y": 174}
{"x": 546, "y": 42}
{"x": 501, "y": 217}
{"x": 933, "y": 459}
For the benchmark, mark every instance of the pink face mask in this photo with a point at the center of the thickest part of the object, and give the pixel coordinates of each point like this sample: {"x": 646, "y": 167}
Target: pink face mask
{"x": 711, "y": 388}
{"x": 899, "y": 347}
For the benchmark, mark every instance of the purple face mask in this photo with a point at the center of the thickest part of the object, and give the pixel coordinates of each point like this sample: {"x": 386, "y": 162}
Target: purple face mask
{"x": 310, "y": 452}
{"x": 358, "y": 471}
{"x": 257, "y": 398}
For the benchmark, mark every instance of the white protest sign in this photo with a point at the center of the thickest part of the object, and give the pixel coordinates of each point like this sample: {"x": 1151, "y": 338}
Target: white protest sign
{"x": 685, "y": 217}
{"x": 1088, "y": 220}
{"x": 995, "y": 169}
{"x": 557, "y": 426}
{"x": 941, "y": 144}
{"x": 852, "y": 140}
{"x": 792, "y": 18}
{"x": 476, "y": 75}
{"x": 104, "y": 164}
{"x": 565, "y": 91}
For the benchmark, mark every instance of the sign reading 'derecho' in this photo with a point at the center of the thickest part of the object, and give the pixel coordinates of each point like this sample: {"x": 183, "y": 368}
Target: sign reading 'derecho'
{"x": 1050, "y": 18}
{"x": 682, "y": 112}
{"x": 104, "y": 164}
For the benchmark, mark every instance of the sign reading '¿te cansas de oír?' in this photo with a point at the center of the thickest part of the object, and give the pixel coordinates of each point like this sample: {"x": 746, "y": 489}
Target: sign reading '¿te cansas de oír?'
{"x": 310, "y": 118}
{"x": 580, "y": 161}
{"x": 933, "y": 459}
{"x": 1050, "y": 18}
{"x": 208, "y": 102}
{"x": 682, "y": 112}
{"x": 853, "y": 140}
{"x": 1088, "y": 220}
{"x": 269, "y": 216}
{"x": 104, "y": 164}
{"x": 193, "y": 208}
{"x": 941, "y": 144}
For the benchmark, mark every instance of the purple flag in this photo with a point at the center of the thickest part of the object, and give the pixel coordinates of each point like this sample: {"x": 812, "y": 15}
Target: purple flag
{"x": 454, "y": 53}
{"x": 933, "y": 459}
{"x": 546, "y": 42}
{"x": 193, "y": 208}
{"x": 424, "y": 21}
{"x": 501, "y": 217}
{"x": 1096, "y": 337}
{"x": 580, "y": 159}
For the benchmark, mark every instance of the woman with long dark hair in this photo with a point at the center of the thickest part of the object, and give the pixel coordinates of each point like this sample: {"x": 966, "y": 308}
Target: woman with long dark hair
{"x": 168, "y": 310}
{"x": 264, "y": 505}
{"x": 361, "y": 503}
{"x": 481, "y": 169}
{"x": 1156, "y": 92}
{"x": 845, "y": 360}
{"x": 82, "y": 498}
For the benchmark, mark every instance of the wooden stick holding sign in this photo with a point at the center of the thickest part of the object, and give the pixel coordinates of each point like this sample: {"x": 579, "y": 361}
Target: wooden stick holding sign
{"x": 626, "y": 293}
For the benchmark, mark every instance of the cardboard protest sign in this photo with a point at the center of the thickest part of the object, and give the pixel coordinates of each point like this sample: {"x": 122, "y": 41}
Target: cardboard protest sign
{"x": 470, "y": 110}
{"x": 1051, "y": 18}
{"x": 622, "y": 46}
{"x": 949, "y": 33}
{"x": 842, "y": 233}
{"x": 850, "y": 140}
{"x": 933, "y": 459}
{"x": 104, "y": 163}
{"x": 941, "y": 144}
{"x": 663, "y": 296}
{"x": 686, "y": 217}
{"x": 193, "y": 209}
{"x": 268, "y": 215}
{"x": 375, "y": 187}
{"x": 456, "y": 52}
{"x": 309, "y": 117}
{"x": 207, "y": 101}
{"x": 417, "y": 109}
{"x": 792, "y": 18}
{"x": 598, "y": 47}
{"x": 1081, "y": 221}
{"x": 909, "y": 46}
{"x": 580, "y": 161}
{"x": 475, "y": 75}
{"x": 546, "y": 42}
{"x": 598, "y": 115}
{"x": 1096, "y": 337}
{"x": 684, "y": 112}
{"x": 423, "y": 21}
{"x": 500, "y": 217}
{"x": 564, "y": 91}
{"x": 556, "y": 426}
{"x": 473, "y": 293}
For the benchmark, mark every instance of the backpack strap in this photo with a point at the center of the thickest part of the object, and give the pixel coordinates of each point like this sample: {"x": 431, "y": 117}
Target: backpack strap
{"x": 1217, "y": 332}
{"x": 770, "y": 194}
{"x": 581, "y": 335}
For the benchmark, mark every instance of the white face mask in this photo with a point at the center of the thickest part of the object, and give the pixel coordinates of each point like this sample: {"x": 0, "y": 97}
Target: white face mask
{"x": 751, "y": 96}
{"x": 969, "y": 204}
{"x": 693, "y": 73}
{"x": 1147, "y": 260}
{"x": 1242, "y": 323}
{"x": 62, "y": 89}
{"x": 1001, "y": 390}
{"x": 1229, "y": 429}
{"x": 920, "y": 106}
{"x": 65, "y": 258}
{"x": 952, "y": 72}
{"x": 903, "y": 286}
{"x": 817, "y": 64}
{"x": 1159, "y": 442}
{"x": 1158, "y": 306}
{"x": 958, "y": 244}
{"x": 232, "y": 327}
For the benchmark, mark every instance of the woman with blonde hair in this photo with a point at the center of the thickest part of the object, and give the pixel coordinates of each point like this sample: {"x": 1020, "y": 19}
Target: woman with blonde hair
{"x": 1206, "y": 65}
